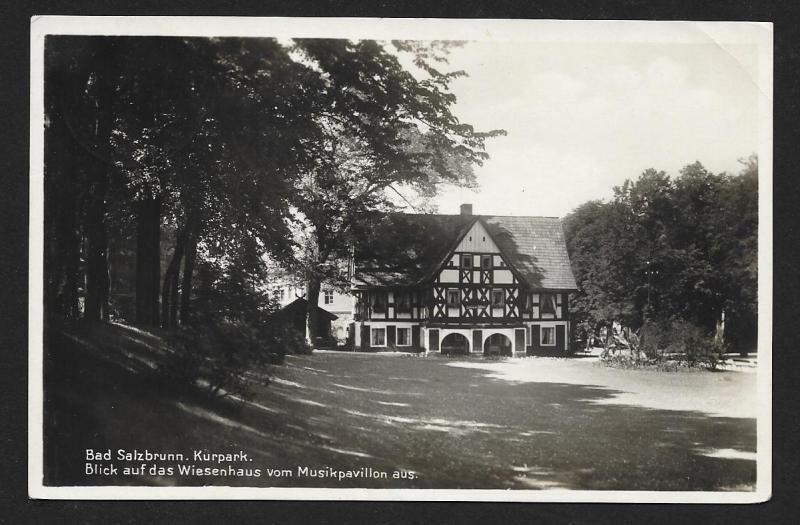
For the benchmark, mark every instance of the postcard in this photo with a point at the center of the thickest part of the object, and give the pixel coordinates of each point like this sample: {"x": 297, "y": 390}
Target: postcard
{"x": 400, "y": 259}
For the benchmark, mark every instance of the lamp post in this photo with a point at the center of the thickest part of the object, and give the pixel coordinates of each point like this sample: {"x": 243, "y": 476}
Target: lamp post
{"x": 649, "y": 272}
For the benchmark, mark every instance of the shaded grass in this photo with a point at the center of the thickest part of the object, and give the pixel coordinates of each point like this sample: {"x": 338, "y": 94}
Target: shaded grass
{"x": 456, "y": 427}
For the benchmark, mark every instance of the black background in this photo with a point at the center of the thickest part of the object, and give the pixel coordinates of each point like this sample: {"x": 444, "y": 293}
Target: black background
{"x": 15, "y": 507}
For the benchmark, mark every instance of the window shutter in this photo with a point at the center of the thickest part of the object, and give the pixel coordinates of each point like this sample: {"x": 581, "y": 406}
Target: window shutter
{"x": 477, "y": 336}
{"x": 519, "y": 342}
{"x": 561, "y": 339}
{"x": 535, "y": 336}
{"x": 433, "y": 339}
{"x": 365, "y": 337}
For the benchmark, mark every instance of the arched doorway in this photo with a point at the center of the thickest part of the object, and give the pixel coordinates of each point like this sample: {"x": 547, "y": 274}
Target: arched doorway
{"x": 455, "y": 344}
{"x": 497, "y": 344}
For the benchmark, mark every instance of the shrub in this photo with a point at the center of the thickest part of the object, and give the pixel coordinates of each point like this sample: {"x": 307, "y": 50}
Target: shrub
{"x": 288, "y": 339}
{"x": 671, "y": 343}
{"x": 216, "y": 357}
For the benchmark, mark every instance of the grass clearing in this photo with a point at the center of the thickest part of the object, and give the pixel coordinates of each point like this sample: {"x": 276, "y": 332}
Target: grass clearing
{"x": 539, "y": 423}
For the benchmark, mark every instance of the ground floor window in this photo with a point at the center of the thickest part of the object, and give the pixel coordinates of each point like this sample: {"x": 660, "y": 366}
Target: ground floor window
{"x": 403, "y": 336}
{"x": 378, "y": 337}
{"x": 548, "y": 336}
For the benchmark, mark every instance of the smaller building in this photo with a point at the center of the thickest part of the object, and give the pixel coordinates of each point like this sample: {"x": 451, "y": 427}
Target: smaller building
{"x": 294, "y": 315}
{"x": 331, "y": 300}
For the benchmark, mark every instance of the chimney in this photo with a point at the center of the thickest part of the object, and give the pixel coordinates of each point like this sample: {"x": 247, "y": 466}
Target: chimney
{"x": 466, "y": 210}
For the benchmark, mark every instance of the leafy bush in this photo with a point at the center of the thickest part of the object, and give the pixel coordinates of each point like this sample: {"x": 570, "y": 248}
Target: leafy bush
{"x": 291, "y": 340}
{"x": 669, "y": 344}
{"x": 228, "y": 341}
{"x": 216, "y": 357}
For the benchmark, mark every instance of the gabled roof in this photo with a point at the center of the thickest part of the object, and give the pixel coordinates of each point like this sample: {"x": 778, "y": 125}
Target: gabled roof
{"x": 406, "y": 250}
{"x": 300, "y": 304}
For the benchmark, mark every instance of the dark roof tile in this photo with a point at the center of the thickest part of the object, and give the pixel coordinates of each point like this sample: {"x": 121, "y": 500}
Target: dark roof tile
{"x": 406, "y": 249}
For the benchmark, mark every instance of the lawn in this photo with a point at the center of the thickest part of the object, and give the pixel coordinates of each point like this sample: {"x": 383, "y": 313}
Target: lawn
{"x": 531, "y": 423}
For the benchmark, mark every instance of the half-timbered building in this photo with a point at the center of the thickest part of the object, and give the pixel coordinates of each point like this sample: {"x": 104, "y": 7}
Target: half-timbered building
{"x": 463, "y": 283}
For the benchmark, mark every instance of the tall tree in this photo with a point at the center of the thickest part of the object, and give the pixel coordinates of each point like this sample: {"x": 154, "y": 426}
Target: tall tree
{"x": 204, "y": 154}
{"x": 665, "y": 249}
{"x": 383, "y": 129}
{"x": 81, "y": 106}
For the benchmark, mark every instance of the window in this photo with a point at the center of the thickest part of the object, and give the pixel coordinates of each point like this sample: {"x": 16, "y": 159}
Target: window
{"x": 379, "y": 302}
{"x": 498, "y": 298}
{"x": 403, "y": 301}
{"x": 359, "y": 308}
{"x": 453, "y": 298}
{"x": 548, "y": 303}
{"x": 548, "y": 337}
{"x": 403, "y": 336}
{"x": 466, "y": 261}
{"x": 328, "y": 296}
{"x": 486, "y": 262}
{"x": 378, "y": 337}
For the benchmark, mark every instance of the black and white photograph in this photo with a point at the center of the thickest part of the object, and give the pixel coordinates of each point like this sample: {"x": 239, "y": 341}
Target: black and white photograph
{"x": 411, "y": 259}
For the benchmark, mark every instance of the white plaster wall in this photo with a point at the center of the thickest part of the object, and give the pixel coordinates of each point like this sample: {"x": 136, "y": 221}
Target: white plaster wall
{"x": 477, "y": 240}
{"x": 503, "y": 277}
{"x": 448, "y": 275}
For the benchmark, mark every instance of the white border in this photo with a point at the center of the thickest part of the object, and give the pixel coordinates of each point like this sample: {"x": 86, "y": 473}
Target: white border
{"x": 721, "y": 33}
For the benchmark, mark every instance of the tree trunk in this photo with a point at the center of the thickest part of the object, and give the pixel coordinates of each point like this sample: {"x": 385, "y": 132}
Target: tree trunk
{"x": 72, "y": 256}
{"x": 148, "y": 261}
{"x": 186, "y": 283}
{"x": 169, "y": 291}
{"x": 97, "y": 279}
{"x": 96, "y": 261}
{"x": 313, "y": 287}
{"x": 62, "y": 260}
{"x": 174, "y": 299}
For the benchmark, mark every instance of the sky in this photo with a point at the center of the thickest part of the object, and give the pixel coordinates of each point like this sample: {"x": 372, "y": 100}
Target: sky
{"x": 582, "y": 118}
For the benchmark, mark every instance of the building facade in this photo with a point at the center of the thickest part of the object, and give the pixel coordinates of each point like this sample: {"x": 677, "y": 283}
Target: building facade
{"x": 490, "y": 285}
